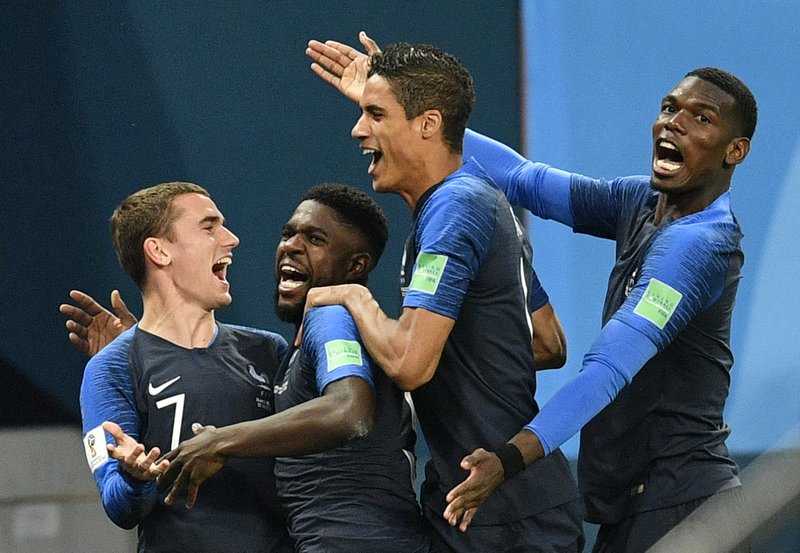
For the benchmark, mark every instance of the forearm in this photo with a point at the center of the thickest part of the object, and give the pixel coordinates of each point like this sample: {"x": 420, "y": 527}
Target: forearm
{"x": 127, "y": 501}
{"x": 323, "y": 423}
{"x": 612, "y": 362}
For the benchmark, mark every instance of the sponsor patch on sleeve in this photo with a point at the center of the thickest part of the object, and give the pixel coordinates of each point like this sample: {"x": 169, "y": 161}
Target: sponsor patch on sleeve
{"x": 339, "y": 353}
{"x": 94, "y": 444}
{"x": 658, "y": 303}
{"x": 428, "y": 273}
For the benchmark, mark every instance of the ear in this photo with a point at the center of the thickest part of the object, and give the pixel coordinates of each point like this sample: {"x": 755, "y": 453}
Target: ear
{"x": 737, "y": 150}
{"x": 431, "y": 123}
{"x": 155, "y": 252}
{"x": 360, "y": 266}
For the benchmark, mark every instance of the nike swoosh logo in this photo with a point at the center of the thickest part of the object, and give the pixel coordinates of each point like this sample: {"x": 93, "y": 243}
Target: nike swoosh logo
{"x": 155, "y": 390}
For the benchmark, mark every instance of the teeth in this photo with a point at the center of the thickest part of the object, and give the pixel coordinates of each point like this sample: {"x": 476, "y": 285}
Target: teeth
{"x": 227, "y": 260}
{"x": 667, "y": 165}
{"x": 290, "y": 269}
{"x": 368, "y": 151}
{"x": 668, "y": 145}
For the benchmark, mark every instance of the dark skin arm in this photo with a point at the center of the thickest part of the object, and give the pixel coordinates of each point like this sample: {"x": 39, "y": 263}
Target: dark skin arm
{"x": 549, "y": 343}
{"x": 90, "y": 325}
{"x": 343, "y": 412}
{"x": 485, "y": 474}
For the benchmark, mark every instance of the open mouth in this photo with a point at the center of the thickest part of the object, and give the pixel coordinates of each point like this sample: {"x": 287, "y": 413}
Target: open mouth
{"x": 376, "y": 157}
{"x": 220, "y": 267}
{"x": 668, "y": 158}
{"x": 290, "y": 278}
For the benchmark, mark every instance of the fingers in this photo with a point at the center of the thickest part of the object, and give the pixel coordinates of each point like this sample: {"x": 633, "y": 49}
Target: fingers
{"x": 76, "y": 315}
{"x": 87, "y": 302}
{"x": 370, "y": 46}
{"x": 177, "y": 487}
{"x": 467, "y": 520}
{"x": 115, "y": 430}
{"x": 121, "y": 310}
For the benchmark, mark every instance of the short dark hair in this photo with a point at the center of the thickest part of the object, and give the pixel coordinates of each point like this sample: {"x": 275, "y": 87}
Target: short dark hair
{"x": 424, "y": 77}
{"x": 354, "y": 208}
{"x": 746, "y": 109}
{"x": 144, "y": 214}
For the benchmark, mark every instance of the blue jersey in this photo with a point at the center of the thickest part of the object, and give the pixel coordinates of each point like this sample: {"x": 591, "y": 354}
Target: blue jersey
{"x": 467, "y": 259}
{"x": 155, "y": 390}
{"x": 358, "y": 496}
{"x": 654, "y": 383}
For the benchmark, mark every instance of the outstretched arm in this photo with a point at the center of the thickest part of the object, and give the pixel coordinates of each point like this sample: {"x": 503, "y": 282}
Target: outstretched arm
{"x": 91, "y": 326}
{"x": 344, "y": 412}
{"x": 342, "y": 66}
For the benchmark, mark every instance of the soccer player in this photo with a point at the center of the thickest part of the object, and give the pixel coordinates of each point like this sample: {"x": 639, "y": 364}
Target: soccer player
{"x": 651, "y": 394}
{"x": 462, "y": 344}
{"x": 169, "y": 370}
{"x": 342, "y": 430}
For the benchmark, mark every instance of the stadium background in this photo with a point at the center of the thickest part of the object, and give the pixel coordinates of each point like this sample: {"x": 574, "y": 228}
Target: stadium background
{"x": 100, "y": 99}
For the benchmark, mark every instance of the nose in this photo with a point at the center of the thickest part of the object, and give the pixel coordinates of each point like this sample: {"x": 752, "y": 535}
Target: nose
{"x": 230, "y": 239}
{"x": 358, "y": 132}
{"x": 675, "y": 123}
{"x": 291, "y": 244}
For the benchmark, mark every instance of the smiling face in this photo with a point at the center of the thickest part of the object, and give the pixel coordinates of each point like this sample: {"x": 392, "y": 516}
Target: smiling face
{"x": 393, "y": 141}
{"x": 316, "y": 249}
{"x": 196, "y": 252}
{"x": 696, "y": 142}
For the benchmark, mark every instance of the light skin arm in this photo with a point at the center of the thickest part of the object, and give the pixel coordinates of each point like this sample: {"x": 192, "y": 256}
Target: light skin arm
{"x": 90, "y": 325}
{"x": 342, "y": 66}
{"x": 343, "y": 412}
{"x": 485, "y": 474}
{"x": 408, "y": 349}
{"x": 549, "y": 343}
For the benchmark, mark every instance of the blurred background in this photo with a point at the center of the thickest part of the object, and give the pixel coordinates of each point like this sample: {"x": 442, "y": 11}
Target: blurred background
{"x": 101, "y": 99}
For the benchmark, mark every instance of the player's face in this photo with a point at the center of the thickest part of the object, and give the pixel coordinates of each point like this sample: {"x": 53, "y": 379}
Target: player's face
{"x": 392, "y": 140}
{"x": 200, "y": 252}
{"x": 315, "y": 250}
{"x": 692, "y": 139}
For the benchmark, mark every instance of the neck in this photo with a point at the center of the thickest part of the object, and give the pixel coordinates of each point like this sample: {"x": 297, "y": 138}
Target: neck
{"x": 434, "y": 170}
{"x": 175, "y": 320}
{"x": 681, "y": 205}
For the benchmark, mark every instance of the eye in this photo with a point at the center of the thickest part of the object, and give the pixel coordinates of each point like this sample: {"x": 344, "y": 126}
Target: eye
{"x": 703, "y": 119}
{"x": 286, "y": 234}
{"x": 316, "y": 239}
{"x": 667, "y": 108}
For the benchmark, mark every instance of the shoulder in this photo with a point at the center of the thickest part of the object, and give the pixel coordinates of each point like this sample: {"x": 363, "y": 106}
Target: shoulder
{"x": 115, "y": 354}
{"x": 253, "y": 334}
{"x": 325, "y": 321}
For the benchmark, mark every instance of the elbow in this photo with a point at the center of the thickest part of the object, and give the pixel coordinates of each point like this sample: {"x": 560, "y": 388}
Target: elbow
{"x": 410, "y": 376}
{"x": 126, "y": 521}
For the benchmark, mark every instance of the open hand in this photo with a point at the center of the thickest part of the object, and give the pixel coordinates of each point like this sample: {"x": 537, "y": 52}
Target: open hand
{"x": 90, "y": 325}
{"x": 191, "y": 463}
{"x": 342, "y": 66}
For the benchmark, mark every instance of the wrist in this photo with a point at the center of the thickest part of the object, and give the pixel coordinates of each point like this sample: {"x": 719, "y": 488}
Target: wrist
{"x": 511, "y": 458}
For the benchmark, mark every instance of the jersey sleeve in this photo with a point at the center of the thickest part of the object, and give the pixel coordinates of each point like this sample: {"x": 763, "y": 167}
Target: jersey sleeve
{"x": 682, "y": 273}
{"x": 332, "y": 344}
{"x": 537, "y": 296}
{"x": 454, "y": 233}
{"x": 107, "y": 395}
{"x": 539, "y": 188}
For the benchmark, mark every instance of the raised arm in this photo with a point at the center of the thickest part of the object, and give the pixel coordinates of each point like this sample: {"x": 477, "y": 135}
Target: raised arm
{"x": 342, "y": 66}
